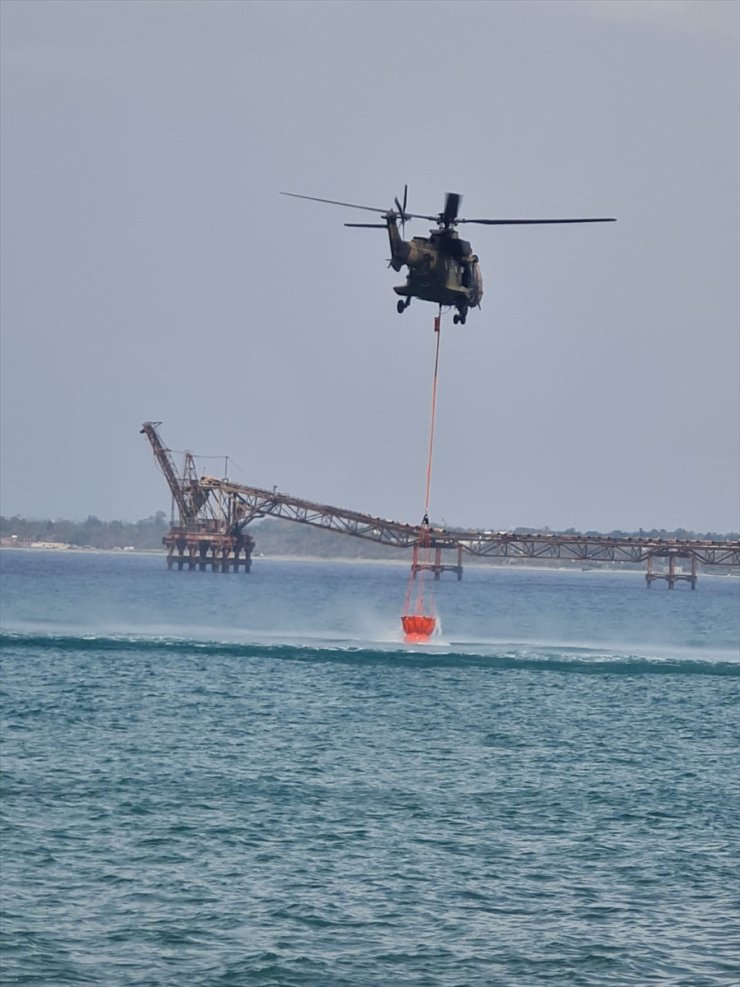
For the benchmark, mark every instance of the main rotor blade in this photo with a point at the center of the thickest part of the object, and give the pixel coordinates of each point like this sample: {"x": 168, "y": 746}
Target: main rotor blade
{"x": 452, "y": 205}
{"x": 367, "y": 226}
{"x": 529, "y": 222}
{"x": 333, "y": 202}
{"x": 354, "y": 205}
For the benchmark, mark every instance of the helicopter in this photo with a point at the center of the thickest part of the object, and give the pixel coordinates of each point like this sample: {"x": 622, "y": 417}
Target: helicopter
{"x": 442, "y": 267}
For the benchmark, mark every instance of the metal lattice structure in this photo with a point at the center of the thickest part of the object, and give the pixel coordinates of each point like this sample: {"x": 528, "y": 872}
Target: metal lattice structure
{"x": 220, "y": 510}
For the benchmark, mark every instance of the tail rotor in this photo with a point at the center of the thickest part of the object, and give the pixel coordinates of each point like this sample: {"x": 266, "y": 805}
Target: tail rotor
{"x": 402, "y": 214}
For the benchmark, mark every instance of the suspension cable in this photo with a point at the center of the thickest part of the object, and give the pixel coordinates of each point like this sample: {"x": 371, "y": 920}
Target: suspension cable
{"x": 438, "y": 333}
{"x": 421, "y": 559}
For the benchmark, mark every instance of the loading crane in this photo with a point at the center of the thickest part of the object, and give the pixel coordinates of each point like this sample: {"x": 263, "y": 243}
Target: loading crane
{"x": 208, "y": 531}
{"x": 212, "y": 514}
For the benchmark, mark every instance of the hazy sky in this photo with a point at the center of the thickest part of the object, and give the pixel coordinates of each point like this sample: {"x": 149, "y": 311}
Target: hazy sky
{"x": 151, "y": 270}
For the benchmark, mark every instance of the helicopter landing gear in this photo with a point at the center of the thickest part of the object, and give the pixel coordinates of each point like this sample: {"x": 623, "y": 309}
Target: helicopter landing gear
{"x": 402, "y": 305}
{"x": 461, "y": 317}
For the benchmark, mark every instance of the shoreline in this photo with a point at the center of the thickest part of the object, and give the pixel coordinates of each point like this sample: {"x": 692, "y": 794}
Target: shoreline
{"x": 511, "y": 564}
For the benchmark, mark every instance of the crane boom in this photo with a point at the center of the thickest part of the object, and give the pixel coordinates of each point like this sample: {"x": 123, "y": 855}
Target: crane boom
{"x": 214, "y": 514}
{"x": 162, "y": 455}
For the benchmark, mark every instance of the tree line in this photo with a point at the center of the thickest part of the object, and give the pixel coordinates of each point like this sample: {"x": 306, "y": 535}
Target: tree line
{"x": 273, "y": 536}
{"x": 90, "y": 533}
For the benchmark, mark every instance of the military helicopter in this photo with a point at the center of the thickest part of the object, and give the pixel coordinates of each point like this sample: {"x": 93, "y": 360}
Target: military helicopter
{"x": 442, "y": 268}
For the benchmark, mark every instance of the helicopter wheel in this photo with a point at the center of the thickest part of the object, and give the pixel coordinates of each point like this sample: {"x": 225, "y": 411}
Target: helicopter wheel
{"x": 401, "y": 307}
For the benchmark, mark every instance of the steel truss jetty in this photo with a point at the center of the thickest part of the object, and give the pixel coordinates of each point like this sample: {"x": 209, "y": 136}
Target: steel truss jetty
{"x": 209, "y": 532}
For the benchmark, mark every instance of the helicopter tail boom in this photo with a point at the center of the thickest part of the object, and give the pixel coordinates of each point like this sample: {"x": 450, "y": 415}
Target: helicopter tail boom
{"x": 400, "y": 248}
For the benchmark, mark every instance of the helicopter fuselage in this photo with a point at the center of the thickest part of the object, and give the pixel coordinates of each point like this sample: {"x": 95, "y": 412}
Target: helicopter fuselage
{"x": 442, "y": 268}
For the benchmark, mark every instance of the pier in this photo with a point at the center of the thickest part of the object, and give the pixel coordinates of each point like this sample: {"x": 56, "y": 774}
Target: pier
{"x": 203, "y": 550}
{"x": 436, "y": 565}
{"x": 673, "y": 575}
{"x": 209, "y": 532}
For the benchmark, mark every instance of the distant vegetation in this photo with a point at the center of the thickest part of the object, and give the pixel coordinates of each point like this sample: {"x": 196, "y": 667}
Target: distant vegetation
{"x": 273, "y": 536}
{"x": 92, "y": 533}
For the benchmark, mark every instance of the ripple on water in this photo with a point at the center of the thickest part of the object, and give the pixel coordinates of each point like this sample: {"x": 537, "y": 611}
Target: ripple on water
{"x": 201, "y": 812}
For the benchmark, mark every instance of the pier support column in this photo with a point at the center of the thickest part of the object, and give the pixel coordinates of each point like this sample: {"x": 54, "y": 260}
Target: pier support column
{"x": 414, "y": 560}
{"x": 671, "y": 571}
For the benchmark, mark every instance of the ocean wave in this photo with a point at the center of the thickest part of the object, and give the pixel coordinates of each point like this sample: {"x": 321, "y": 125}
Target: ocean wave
{"x": 496, "y": 656}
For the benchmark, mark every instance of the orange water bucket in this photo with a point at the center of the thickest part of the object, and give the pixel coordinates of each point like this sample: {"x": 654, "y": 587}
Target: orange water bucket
{"x": 417, "y": 628}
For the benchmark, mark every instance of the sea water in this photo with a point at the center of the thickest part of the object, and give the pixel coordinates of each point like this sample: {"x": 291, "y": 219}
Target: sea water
{"x": 231, "y": 779}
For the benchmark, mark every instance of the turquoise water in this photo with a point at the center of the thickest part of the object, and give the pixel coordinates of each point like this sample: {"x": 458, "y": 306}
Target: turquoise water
{"x": 216, "y": 779}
